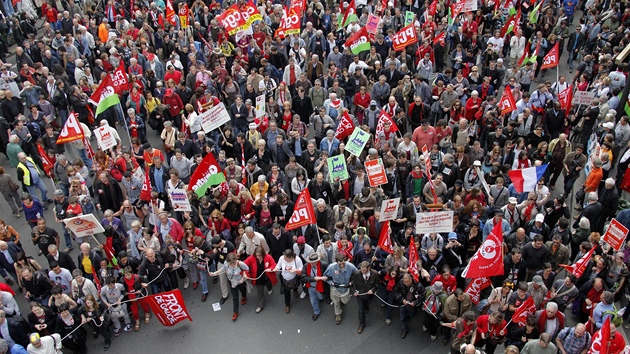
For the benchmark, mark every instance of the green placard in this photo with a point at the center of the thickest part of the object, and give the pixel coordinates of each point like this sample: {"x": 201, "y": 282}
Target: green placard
{"x": 357, "y": 141}
{"x": 337, "y": 168}
{"x": 408, "y": 17}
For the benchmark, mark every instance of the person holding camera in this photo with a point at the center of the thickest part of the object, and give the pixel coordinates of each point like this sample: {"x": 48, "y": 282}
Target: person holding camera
{"x": 574, "y": 162}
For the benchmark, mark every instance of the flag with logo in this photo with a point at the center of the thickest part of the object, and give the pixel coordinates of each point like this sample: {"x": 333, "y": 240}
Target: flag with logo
{"x": 551, "y": 59}
{"x": 578, "y": 267}
{"x": 105, "y": 95}
{"x": 171, "y": 16}
{"x": 120, "y": 79}
{"x": 207, "y": 174}
{"x": 404, "y": 38}
{"x": 440, "y": 38}
{"x": 413, "y": 261}
{"x": 488, "y": 260}
{"x": 71, "y": 131}
{"x": 600, "y": 343}
{"x": 349, "y": 15}
{"x": 475, "y": 287}
{"x": 563, "y": 98}
{"x": 145, "y": 193}
{"x": 359, "y": 42}
{"x": 507, "y": 103}
{"x": 522, "y": 61}
{"x": 345, "y": 127}
{"x": 385, "y": 239}
{"x": 383, "y": 118}
{"x": 169, "y": 307}
{"x": 303, "y": 213}
{"x": 48, "y": 164}
{"x": 520, "y": 315}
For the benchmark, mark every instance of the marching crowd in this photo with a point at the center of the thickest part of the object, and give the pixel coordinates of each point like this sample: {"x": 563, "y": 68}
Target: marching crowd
{"x": 448, "y": 115}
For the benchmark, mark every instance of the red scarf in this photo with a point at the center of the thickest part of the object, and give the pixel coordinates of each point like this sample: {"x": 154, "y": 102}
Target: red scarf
{"x": 136, "y": 99}
{"x": 527, "y": 214}
{"x": 466, "y": 329}
{"x": 391, "y": 282}
{"x": 347, "y": 251}
{"x": 319, "y": 286}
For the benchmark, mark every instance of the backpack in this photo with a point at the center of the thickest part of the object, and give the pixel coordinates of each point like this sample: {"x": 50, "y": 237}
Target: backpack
{"x": 588, "y": 70}
{"x": 35, "y": 130}
{"x": 433, "y": 303}
{"x": 615, "y": 318}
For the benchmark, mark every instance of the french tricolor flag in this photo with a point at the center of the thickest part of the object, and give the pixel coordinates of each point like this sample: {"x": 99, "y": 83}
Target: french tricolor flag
{"x": 525, "y": 180}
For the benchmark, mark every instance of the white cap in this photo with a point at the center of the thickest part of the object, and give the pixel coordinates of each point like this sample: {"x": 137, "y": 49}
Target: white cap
{"x": 477, "y": 163}
{"x": 609, "y": 125}
{"x": 512, "y": 200}
{"x": 540, "y": 217}
{"x": 610, "y": 181}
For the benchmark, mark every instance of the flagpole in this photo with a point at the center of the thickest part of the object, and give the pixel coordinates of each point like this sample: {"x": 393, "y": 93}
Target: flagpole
{"x": 125, "y": 123}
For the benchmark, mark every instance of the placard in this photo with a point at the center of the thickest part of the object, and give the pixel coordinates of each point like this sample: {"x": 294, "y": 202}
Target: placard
{"x": 376, "y": 172}
{"x": 84, "y": 225}
{"x": 439, "y": 221}
{"x": 260, "y": 106}
{"x": 179, "y": 200}
{"x": 583, "y": 97}
{"x": 357, "y": 141}
{"x": 105, "y": 138}
{"x": 372, "y": 23}
{"x": 615, "y": 234}
{"x": 470, "y": 5}
{"x": 214, "y": 117}
{"x": 408, "y": 17}
{"x": 389, "y": 209}
{"x": 337, "y": 168}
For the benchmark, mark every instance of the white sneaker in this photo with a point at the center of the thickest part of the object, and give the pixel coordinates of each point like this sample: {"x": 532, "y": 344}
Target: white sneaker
{"x": 303, "y": 295}
{"x": 186, "y": 283}
{"x": 127, "y": 327}
{"x": 269, "y": 292}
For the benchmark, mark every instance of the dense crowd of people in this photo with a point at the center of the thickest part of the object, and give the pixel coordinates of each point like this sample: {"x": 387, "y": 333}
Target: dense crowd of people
{"x": 448, "y": 145}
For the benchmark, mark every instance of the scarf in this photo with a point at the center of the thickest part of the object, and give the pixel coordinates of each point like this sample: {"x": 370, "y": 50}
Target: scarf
{"x": 347, "y": 251}
{"x": 319, "y": 286}
{"x": 466, "y": 329}
{"x": 391, "y": 282}
{"x": 136, "y": 99}
{"x": 527, "y": 214}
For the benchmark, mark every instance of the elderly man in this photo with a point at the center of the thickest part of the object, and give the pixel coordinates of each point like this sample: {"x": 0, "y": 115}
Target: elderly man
{"x": 62, "y": 258}
{"x": 338, "y": 276}
{"x": 573, "y": 340}
{"x": 550, "y": 320}
{"x": 249, "y": 243}
{"x": 29, "y": 174}
{"x": 540, "y": 346}
{"x": 88, "y": 261}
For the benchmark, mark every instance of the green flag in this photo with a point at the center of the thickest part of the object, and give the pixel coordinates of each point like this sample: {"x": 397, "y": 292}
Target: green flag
{"x": 106, "y": 102}
{"x": 213, "y": 180}
{"x": 626, "y": 106}
{"x": 512, "y": 11}
{"x": 450, "y": 17}
{"x": 533, "y": 16}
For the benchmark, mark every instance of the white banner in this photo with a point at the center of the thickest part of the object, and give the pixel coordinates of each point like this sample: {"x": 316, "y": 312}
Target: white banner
{"x": 105, "y": 139}
{"x": 470, "y": 5}
{"x": 179, "y": 200}
{"x": 439, "y": 221}
{"x": 214, "y": 117}
{"x": 583, "y": 97}
{"x": 389, "y": 209}
{"x": 84, "y": 225}
{"x": 260, "y": 106}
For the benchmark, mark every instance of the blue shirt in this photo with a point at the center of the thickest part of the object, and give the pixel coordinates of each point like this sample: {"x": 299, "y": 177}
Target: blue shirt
{"x": 338, "y": 276}
{"x": 157, "y": 175}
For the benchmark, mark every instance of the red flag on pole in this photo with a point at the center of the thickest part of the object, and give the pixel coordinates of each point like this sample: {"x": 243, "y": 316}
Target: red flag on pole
{"x": 383, "y": 118}
{"x": 578, "y": 267}
{"x": 551, "y": 59}
{"x": 120, "y": 79}
{"x": 48, "y": 165}
{"x": 488, "y": 261}
{"x": 569, "y": 101}
{"x": 351, "y": 10}
{"x": 385, "y": 240}
{"x": 145, "y": 193}
{"x": 601, "y": 339}
{"x": 433, "y": 8}
{"x": 405, "y": 37}
{"x": 507, "y": 103}
{"x": 169, "y": 307}
{"x": 475, "y": 287}
{"x": 563, "y": 98}
{"x": 525, "y": 54}
{"x": 439, "y": 38}
{"x": 171, "y": 16}
{"x": 511, "y": 22}
{"x": 345, "y": 127}
{"x": 303, "y": 213}
{"x": 71, "y": 131}
{"x": 520, "y": 315}
{"x": 413, "y": 261}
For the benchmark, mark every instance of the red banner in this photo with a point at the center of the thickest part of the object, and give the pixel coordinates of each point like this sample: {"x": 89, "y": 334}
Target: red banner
{"x": 120, "y": 79}
{"x": 440, "y": 38}
{"x": 507, "y": 103}
{"x": 169, "y": 307}
{"x": 551, "y": 60}
{"x": 351, "y": 10}
{"x": 171, "y": 16}
{"x": 563, "y": 97}
{"x": 433, "y": 8}
{"x": 231, "y": 19}
{"x": 511, "y": 22}
{"x": 456, "y": 8}
{"x": 303, "y": 213}
{"x": 71, "y": 131}
{"x": 145, "y": 193}
{"x": 578, "y": 267}
{"x": 48, "y": 165}
{"x": 413, "y": 260}
{"x": 488, "y": 261}
{"x": 475, "y": 287}
{"x": 385, "y": 239}
{"x": 383, "y": 118}
{"x": 345, "y": 127}
{"x": 601, "y": 339}
{"x": 406, "y": 37}
{"x": 520, "y": 315}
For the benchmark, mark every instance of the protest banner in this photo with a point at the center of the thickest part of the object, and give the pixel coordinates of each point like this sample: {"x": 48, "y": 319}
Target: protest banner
{"x": 84, "y": 225}
{"x": 389, "y": 209}
{"x": 104, "y": 137}
{"x": 337, "y": 168}
{"x": 260, "y": 106}
{"x": 615, "y": 234}
{"x": 583, "y": 97}
{"x": 376, "y": 172}
{"x": 372, "y": 23}
{"x": 169, "y": 308}
{"x": 357, "y": 141}
{"x": 439, "y": 221}
{"x": 179, "y": 200}
{"x": 214, "y": 117}
{"x": 409, "y": 17}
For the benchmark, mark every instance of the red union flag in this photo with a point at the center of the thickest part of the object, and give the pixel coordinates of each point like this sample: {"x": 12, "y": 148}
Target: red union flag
{"x": 488, "y": 261}
{"x": 475, "y": 287}
{"x": 231, "y": 19}
{"x": 120, "y": 79}
{"x": 406, "y": 37}
{"x": 456, "y": 8}
{"x": 433, "y": 8}
{"x": 507, "y": 104}
{"x": 578, "y": 267}
{"x": 71, "y": 130}
{"x": 413, "y": 261}
{"x": 551, "y": 59}
{"x": 145, "y": 193}
{"x": 615, "y": 234}
{"x": 303, "y": 214}
{"x": 601, "y": 339}
{"x": 385, "y": 239}
{"x": 171, "y": 16}
{"x": 520, "y": 315}
{"x": 563, "y": 97}
{"x": 48, "y": 164}
{"x": 345, "y": 127}
{"x": 169, "y": 307}
{"x": 439, "y": 38}
{"x": 383, "y": 118}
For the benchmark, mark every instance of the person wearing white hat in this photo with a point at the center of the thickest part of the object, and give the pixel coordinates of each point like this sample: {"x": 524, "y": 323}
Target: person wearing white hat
{"x": 537, "y": 227}
{"x": 609, "y": 199}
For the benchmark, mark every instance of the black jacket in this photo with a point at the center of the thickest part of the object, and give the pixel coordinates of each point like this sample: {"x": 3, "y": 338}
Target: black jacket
{"x": 64, "y": 260}
{"x": 19, "y": 330}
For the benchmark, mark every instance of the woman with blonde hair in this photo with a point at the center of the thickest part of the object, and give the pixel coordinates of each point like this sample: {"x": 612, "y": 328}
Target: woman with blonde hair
{"x": 193, "y": 120}
{"x": 217, "y": 224}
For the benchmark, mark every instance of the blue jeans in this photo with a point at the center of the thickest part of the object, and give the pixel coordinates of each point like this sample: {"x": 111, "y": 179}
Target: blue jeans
{"x": 66, "y": 236}
{"x": 63, "y": 114}
{"x": 406, "y": 314}
{"x": 38, "y": 184}
{"x": 203, "y": 280}
{"x": 155, "y": 286}
{"x": 87, "y": 161}
{"x": 315, "y": 298}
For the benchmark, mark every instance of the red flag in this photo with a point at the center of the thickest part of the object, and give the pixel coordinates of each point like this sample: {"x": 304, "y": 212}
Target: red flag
{"x": 231, "y": 19}
{"x": 546, "y": 299}
{"x": 497, "y": 3}
{"x": 520, "y": 315}
{"x": 95, "y": 280}
{"x": 433, "y": 8}
{"x": 48, "y": 165}
{"x": 601, "y": 339}
{"x": 439, "y": 38}
{"x": 383, "y": 118}
{"x": 171, "y": 16}
{"x": 385, "y": 240}
{"x": 405, "y": 37}
{"x": 207, "y": 174}
{"x": 145, "y": 193}
{"x": 303, "y": 213}
{"x": 475, "y": 287}
{"x": 569, "y": 101}
{"x": 511, "y": 21}
{"x": 169, "y": 307}
{"x": 88, "y": 148}
{"x": 525, "y": 54}
{"x": 488, "y": 260}
{"x": 551, "y": 59}
{"x": 120, "y": 80}
{"x": 507, "y": 104}
{"x": 105, "y": 89}
{"x": 578, "y": 267}
{"x": 456, "y": 8}
{"x": 563, "y": 97}
{"x": 413, "y": 261}
{"x": 71, "y": 131}
{"x": 345, "y": 127}
{"x": 351, "y": 10}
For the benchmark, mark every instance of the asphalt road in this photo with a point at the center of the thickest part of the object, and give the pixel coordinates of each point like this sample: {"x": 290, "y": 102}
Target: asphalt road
{"x": 269, "y": 331}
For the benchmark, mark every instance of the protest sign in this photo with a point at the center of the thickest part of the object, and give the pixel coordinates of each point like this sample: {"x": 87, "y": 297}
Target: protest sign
{"x": 105, "y": 138}
{"x": 84, "y": 225}
{"x": 440, "y": 221}
{"x": 376, "y": 172}
{"x": 389, "y": 209}
{"x": 214, "y": 117}
{"x": 179, "y": 200}
{"x": 357, "y": 141}
{"x": 615, "y": 234}
{"x": 337, "y": 168}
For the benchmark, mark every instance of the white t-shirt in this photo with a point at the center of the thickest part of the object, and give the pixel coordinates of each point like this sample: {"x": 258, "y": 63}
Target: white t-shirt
{"x": 285, "y": 266}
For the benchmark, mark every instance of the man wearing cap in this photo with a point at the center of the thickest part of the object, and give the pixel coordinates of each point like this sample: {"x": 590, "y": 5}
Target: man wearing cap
{"x": 537, "y": 227}
{"x": 537, "y": 289}
{"x": 302, "y": 250}
{"x": 43, "y": 345}
{"x": 365, "y": 281}
{"x": 315, "y": 287}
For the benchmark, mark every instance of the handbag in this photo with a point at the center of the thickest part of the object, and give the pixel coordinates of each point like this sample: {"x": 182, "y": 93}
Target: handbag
{"x": 292, "y": 284}
{"x": 445, "y": 142}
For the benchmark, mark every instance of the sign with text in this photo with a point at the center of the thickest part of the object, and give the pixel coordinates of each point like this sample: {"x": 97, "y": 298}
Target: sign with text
{"x": 105, "y": 138}
{"x": 179, "y": 200}
{"x": 406, "y": 37}
{"x": 470, "y": 5}
{"x": 169, "y": 307}
{"x": 389, "y": 209}
{"x": 615, "y": 234}
{"x": 376, "y": 172}
{"x": 439, "y": 221}
{"x": 357, "y": 141}
{"x": 372, "y": 23}
{"x": 84, "y": 225}
{"x": 337, "y": 168}
{"x": 583, "y": 97}
{"x": 408, "y": 17}
{"x": 260, "y": 106}
{"x": 214, "y": 117}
